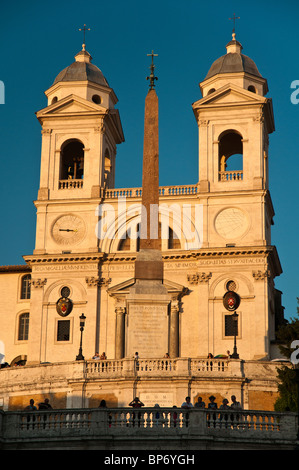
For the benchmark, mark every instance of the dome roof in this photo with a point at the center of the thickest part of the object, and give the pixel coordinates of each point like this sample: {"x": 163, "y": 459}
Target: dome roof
{"x": 81, "y": 70}
{"x": 233, "y": 61}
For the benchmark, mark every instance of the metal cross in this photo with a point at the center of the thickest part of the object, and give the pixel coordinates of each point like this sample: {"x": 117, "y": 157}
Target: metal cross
{"x": 152, "y": 77}
{"x": 84, "y": 29}
{"x": 234, "y": 18}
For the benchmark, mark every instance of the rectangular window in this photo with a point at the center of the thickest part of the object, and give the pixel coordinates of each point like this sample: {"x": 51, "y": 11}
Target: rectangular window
{"x": 63, "y": 330}
{"x": 231, "y": 326}
{"x": 23, "y": 327}
{"x": 25, "y": 287}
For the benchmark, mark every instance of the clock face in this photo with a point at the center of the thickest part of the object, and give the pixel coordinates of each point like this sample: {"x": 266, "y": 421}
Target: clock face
{"x": 68, "y": 229}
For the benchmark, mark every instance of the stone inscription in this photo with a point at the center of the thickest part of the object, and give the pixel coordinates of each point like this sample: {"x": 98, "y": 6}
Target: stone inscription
{"x": 147, "y": 330}
{"x": 162, "y": 399}
{"x": 66, "y": 267}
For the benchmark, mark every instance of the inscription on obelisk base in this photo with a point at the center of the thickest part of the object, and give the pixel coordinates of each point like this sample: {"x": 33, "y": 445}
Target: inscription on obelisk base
{"x": 147, "y": 327}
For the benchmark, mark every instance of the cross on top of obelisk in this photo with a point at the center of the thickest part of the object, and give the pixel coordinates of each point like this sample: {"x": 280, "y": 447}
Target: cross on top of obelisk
{"x": 152, "y": 77}
{"x": 84, "y": 29}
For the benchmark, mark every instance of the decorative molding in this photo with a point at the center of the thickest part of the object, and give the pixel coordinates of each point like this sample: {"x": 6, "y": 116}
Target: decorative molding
{"x": 260, "y": 275}
{"x": 101, "y": 128}
{"x": 120, "y": 310}
{"x": 175, "y": 306}
{"x": 259, "y": 118}
{"x": 97, "y": 281}
{"x": 38, "y": 282}
{"x": 203, "y": 122}
{"x": 198, "y": 277}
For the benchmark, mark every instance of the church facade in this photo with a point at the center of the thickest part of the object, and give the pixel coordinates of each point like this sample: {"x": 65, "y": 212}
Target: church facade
{"x": 214, "y": 236}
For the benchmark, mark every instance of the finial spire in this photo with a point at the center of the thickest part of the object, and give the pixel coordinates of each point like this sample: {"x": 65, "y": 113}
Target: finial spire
{"x": 234, "y": 18}
{"x": 152, "y": 77}
{"x": 84, "y": 29}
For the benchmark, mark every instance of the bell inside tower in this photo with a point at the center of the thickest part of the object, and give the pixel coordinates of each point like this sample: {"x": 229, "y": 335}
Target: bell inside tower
{"x": 230, "y": 156}
{"x": 72, "y": 161}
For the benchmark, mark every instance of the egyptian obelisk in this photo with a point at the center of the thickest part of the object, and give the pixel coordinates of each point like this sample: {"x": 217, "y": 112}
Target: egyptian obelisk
{"x": 148, "y": 300}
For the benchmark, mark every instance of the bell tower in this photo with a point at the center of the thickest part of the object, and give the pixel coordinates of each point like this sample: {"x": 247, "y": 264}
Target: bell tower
{"x": 80, "y": 132}
{"x": 234, "y": 120}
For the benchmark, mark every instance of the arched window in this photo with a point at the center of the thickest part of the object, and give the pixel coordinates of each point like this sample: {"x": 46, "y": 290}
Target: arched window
{"x": 211, "y": 90}
{"x": 252, "y": 88}
{"x": 230, "y": 156}
{"x": 23, "y": 329}
{"x": 173, "y": 241}
{"x": 107, "y": 168}
{"x": 125, "y": 243}
{"x": 72, "y": 160}
{"x": 25, "y": 286}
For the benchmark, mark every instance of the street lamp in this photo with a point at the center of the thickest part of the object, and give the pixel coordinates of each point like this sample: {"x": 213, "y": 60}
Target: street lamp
{"x": 80, "y": 356}
{"x": 235, "y": 355}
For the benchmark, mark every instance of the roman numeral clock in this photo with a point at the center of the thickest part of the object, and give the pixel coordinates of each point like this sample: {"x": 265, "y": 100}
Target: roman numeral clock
{"x": 68, "y": 229}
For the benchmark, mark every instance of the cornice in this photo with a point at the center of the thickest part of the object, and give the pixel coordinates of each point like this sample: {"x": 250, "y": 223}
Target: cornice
{"x": 33, "y": 260}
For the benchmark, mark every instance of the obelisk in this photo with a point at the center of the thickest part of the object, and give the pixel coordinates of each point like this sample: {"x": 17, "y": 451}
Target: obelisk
{"x": 148, "y": 300}
{"x": 149, "y": 263}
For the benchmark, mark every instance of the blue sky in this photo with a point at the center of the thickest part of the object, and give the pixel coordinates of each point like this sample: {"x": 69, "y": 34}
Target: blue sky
{"x": 39, "y": 39}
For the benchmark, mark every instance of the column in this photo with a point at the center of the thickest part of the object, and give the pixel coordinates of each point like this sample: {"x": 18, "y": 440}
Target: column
{"x": 174, "y": 329}
{"x": 120, "y": 332}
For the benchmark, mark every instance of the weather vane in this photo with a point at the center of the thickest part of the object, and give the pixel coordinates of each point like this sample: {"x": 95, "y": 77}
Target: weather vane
{"x": 152, "y": 77}
{"x": 84, "y": 29}
{"x": 234, "y": 18}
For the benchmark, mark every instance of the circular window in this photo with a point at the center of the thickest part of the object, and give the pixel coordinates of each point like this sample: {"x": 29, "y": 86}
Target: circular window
{"x": 54, "y": 100}
{"x": 231, "y": 285}
{"x": 96, "y": 99}
{"x": 65, "y": 292}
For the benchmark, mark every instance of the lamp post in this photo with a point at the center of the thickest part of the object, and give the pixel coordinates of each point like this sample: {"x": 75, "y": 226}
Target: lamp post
{"x": 80, "y": 356}
{"x": 235, "y": 354}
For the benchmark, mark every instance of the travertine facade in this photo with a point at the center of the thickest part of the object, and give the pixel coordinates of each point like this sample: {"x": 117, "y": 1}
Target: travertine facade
{"x": 83, "y": 251}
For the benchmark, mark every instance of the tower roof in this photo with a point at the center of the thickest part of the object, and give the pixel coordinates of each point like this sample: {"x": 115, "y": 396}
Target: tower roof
{"x": 81, "y": 70}
{"x": 233, "y": 61}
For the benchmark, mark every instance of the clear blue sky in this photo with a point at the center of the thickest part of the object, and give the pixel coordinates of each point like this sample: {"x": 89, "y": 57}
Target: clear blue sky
{"x": 39, "y": 39}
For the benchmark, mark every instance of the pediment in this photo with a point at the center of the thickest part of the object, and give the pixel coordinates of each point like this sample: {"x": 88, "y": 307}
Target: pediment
{"x": 229, "y": 94}
{"x": 123, "y": 288}
{"x": 70, "y": 105}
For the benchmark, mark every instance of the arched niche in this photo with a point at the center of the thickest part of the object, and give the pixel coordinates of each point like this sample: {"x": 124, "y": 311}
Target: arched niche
{"x": 230, "y": 155}
{"x": 72, "y": 160}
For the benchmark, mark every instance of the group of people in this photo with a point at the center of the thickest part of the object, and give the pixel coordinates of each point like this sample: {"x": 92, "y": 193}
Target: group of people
{"x": 235, "y": 405}
{"x": 45, "y": 405}
{"x": 100, "y": 357}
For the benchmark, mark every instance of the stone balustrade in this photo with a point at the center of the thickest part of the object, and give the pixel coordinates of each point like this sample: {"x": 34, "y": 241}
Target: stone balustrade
{"x": 113, "y": 427}
{"x": 231, "y": 175}
{"x": 161, "y": 367}
{"x": 181, "y": 190}
{"x": 71, "y": 184}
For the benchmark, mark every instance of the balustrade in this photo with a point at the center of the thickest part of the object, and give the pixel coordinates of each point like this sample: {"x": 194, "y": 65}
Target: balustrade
{"x": 163, "y": 191}
{"x": 231, "y": 175}
{"x": 161, "y": 367}
{"x": 70, "y": 184}
{"x": 99, "y": 422}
